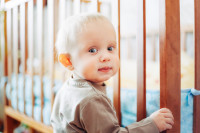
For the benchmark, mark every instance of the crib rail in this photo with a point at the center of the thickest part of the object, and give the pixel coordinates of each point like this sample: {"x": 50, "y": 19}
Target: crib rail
{"x": 24, "y": 26}
{"x": 170, "y": 59}
{"x": 196, "y": 114}
{"x": 19, "y": 31}
{"x": 12, "y": 114}
{"x": 117, "y": 86}
{"x": 141, "y": 61}
{"x": 19, "y": 34}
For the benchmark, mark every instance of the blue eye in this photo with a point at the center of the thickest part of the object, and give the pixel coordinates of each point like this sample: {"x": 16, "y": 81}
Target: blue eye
{"x": 93, "y": 50}
{"x": 110, "y": 48}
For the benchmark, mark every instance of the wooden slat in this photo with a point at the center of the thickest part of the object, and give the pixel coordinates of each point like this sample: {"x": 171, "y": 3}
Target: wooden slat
{"x": 7, "y": 20}
{"x": 15, "y": 48}
{"x": 22, "y": 45}
{"x": 41, "y": 49}
{"x": 85, "y": 1}
{"x": 3, "y": 55}
{"x": 14, "y": 3}
{"x": 98, "y": 6}
{"x": 27, "y": 120}
{"x": 196, "y": 114}
{"x": 170, "y": 79}
{"x": 31, "y": 49}
{"x": 141, "y": 61}
{"x": 117, "y": 80}
{"x": 26, "y": 36}
{"x": 7, "y": 32}
{"x": 51, "y": 44}
{"x": 8, "y": 37}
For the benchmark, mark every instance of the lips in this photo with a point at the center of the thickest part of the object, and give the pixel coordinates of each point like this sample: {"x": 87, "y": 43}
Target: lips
{"x": 104, "y": 69}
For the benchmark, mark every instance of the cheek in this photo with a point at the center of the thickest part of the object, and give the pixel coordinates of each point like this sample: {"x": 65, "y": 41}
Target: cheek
{"x": 89, "y": 68}
{"x": 116, "y": 63}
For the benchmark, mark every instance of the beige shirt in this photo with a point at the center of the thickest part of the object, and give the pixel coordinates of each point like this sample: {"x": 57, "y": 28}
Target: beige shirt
{"x": 83, "y": 107}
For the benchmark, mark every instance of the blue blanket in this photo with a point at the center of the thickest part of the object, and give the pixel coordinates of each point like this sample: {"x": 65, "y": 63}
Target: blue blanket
{"x": 128, "y": 101}
{"x": 11, "y": 92}
{"x": 129, "y": 106}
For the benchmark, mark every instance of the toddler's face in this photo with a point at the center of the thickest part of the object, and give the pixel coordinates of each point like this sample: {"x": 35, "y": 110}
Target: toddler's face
{"x": 96, "y": 56}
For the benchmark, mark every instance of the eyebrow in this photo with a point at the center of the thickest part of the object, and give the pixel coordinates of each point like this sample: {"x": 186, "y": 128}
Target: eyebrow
{"x": 113, "y": 42}
{"x": 110, "y": 42}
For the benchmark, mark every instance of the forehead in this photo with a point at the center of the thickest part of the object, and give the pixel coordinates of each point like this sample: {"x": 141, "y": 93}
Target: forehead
{"x": 97, "y": 30}
{"x": 98, "y": 24}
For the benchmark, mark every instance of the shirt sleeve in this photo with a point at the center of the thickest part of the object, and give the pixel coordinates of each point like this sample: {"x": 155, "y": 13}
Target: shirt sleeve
{"x": 98, "y": 116}
{"x": 56, "y": 121}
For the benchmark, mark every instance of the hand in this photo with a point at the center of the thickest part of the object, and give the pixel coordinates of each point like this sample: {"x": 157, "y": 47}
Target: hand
{"x": 163, "y": 119}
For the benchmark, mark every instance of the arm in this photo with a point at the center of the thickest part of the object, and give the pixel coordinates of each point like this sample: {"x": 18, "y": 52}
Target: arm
{"x": 56, "y": 121}
{"x": 98, "y": 116}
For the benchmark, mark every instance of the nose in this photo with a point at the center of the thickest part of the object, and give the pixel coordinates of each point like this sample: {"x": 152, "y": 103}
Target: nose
{"x": 104, "y": 57}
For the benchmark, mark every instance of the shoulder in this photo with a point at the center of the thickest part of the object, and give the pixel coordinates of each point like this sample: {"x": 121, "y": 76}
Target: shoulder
{"x": 96, "y": 100}
{"x": 98, "y": 109}
{"x": 60, "y": 92}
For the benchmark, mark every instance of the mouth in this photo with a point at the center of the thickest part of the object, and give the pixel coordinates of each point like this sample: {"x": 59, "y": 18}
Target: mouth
{"x": 105, "y": 69}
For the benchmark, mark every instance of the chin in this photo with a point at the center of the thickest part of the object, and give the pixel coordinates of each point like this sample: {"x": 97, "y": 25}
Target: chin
{"x": 99, "y": 80}
{"x": 104, "y": 79}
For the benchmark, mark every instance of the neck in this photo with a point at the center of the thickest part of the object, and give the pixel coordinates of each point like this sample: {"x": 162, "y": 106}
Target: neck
{"x": 100, "y": 83}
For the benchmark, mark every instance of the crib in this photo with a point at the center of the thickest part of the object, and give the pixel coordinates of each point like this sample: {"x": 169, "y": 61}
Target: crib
{"x": 29, "y": 22}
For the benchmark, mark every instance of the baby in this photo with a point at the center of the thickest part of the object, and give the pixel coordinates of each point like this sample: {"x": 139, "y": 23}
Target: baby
{"x": 87, "y": 46}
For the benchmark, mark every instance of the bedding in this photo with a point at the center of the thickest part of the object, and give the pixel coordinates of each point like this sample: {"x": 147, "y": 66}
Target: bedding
{"x": 12, "y": 95}
{"x": 128, "y": 101}
{"x": 129, "y": 105}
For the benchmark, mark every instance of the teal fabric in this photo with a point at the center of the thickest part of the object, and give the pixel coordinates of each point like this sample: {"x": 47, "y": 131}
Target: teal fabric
{"x": 11, "y": 92}
{"x": 128, "y": 101}
{"x": 129, "y": 106}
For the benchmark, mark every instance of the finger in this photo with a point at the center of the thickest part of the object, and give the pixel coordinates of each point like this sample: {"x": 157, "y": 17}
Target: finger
{"x": 169, "y": 121}
{"x": 168, "y": 115}
{"x": 165, "y": 110}
{"x": 168, "y": 126}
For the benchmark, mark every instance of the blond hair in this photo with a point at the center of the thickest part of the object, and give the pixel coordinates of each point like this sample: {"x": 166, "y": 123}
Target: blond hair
{"x": 70, "y": 29}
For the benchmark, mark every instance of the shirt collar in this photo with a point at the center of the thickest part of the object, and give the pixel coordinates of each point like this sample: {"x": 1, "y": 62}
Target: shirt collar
{"x": 77, "y": 81}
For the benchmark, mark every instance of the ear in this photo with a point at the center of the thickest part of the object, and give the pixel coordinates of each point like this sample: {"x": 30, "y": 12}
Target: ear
{"x": 65, "y": 60}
